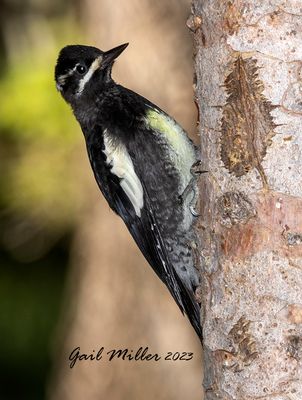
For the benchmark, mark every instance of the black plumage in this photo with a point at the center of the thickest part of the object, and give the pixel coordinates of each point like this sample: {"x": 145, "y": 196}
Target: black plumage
{"x": 139, "y": 164}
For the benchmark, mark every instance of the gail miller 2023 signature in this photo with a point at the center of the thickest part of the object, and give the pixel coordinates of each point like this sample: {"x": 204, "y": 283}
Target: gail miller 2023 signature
{"x": 141, "y": 354}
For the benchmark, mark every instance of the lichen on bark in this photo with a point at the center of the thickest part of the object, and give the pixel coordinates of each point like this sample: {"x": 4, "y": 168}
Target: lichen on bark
{"x": 247, "y": 125}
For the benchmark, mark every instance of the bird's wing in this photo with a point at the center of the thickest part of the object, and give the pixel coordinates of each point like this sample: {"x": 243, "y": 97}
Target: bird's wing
{"x": 128, "y": 196}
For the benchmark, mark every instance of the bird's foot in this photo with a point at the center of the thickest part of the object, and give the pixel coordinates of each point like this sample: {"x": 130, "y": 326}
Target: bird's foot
{"x": 196, "y": 171}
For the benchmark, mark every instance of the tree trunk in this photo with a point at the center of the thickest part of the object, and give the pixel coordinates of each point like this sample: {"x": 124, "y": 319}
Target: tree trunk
{"x": 248, "y": 90}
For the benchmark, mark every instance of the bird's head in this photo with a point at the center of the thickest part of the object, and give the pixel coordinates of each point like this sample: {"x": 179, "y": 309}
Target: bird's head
{"x": 81, "y": 69}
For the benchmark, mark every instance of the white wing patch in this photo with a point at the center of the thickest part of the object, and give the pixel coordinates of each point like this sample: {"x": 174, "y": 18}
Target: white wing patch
{"x": 121, "y": 165}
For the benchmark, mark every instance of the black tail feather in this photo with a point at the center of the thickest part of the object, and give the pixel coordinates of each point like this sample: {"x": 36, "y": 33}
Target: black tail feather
{"x": 191, "y": 307}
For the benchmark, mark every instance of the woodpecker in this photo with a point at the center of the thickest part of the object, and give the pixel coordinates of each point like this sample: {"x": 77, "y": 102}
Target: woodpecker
{"x": 142, "y": 162}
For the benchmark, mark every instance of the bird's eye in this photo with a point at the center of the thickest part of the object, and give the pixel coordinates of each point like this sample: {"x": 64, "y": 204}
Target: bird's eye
{"x": 81, "y": 69}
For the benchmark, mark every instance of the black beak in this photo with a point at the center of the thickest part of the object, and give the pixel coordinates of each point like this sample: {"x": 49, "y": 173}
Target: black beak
{"x": 110, "y": 55}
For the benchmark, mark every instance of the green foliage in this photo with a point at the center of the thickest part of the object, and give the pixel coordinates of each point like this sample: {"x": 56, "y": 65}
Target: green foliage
{"x": 39, "y": 139}
{"x": 41, "y": 196}
{"x": 30, "y": 300}
{"x": 30, "y": 106}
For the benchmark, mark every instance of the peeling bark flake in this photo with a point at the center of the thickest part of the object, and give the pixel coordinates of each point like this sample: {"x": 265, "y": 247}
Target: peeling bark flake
{"x": 294, "y": 347}
{"x": 291, "y": 314}
{"x": 244, "y": 342}
{"x": 244, "y": 347}
{"x": 294, "y": 239}
{"x": 234, "y": 208}
{"x": 232, "y": 18}
{"x": 194, "y": 22}
{"x": 247, "y": 125}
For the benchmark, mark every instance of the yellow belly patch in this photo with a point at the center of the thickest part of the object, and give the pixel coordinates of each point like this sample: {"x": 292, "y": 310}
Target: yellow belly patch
{"x": 181, "y": 150}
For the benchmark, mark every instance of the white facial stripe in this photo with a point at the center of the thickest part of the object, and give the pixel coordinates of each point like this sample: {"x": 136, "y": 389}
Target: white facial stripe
{"x": 93, "y": 67}
{"x": 122, "y": 166}
{"x": 62, "y": 78}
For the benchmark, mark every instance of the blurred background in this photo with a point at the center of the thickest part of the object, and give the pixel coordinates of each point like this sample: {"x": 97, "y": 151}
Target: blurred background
{"x": 70, "y": 274}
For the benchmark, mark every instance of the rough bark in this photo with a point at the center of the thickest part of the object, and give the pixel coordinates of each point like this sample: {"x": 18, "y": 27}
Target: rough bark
{"x": 248, "y": 90}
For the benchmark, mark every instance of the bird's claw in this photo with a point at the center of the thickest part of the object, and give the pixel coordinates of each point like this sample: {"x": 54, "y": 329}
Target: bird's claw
{"x": 195, "y": 171}
{"x": 194, "y": 212}
{"x": 196, "y": 168}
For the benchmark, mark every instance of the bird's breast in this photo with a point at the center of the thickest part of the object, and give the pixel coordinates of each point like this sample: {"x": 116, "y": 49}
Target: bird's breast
{"x": 180, "y": 153}
{"x": 180, "y": 149}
